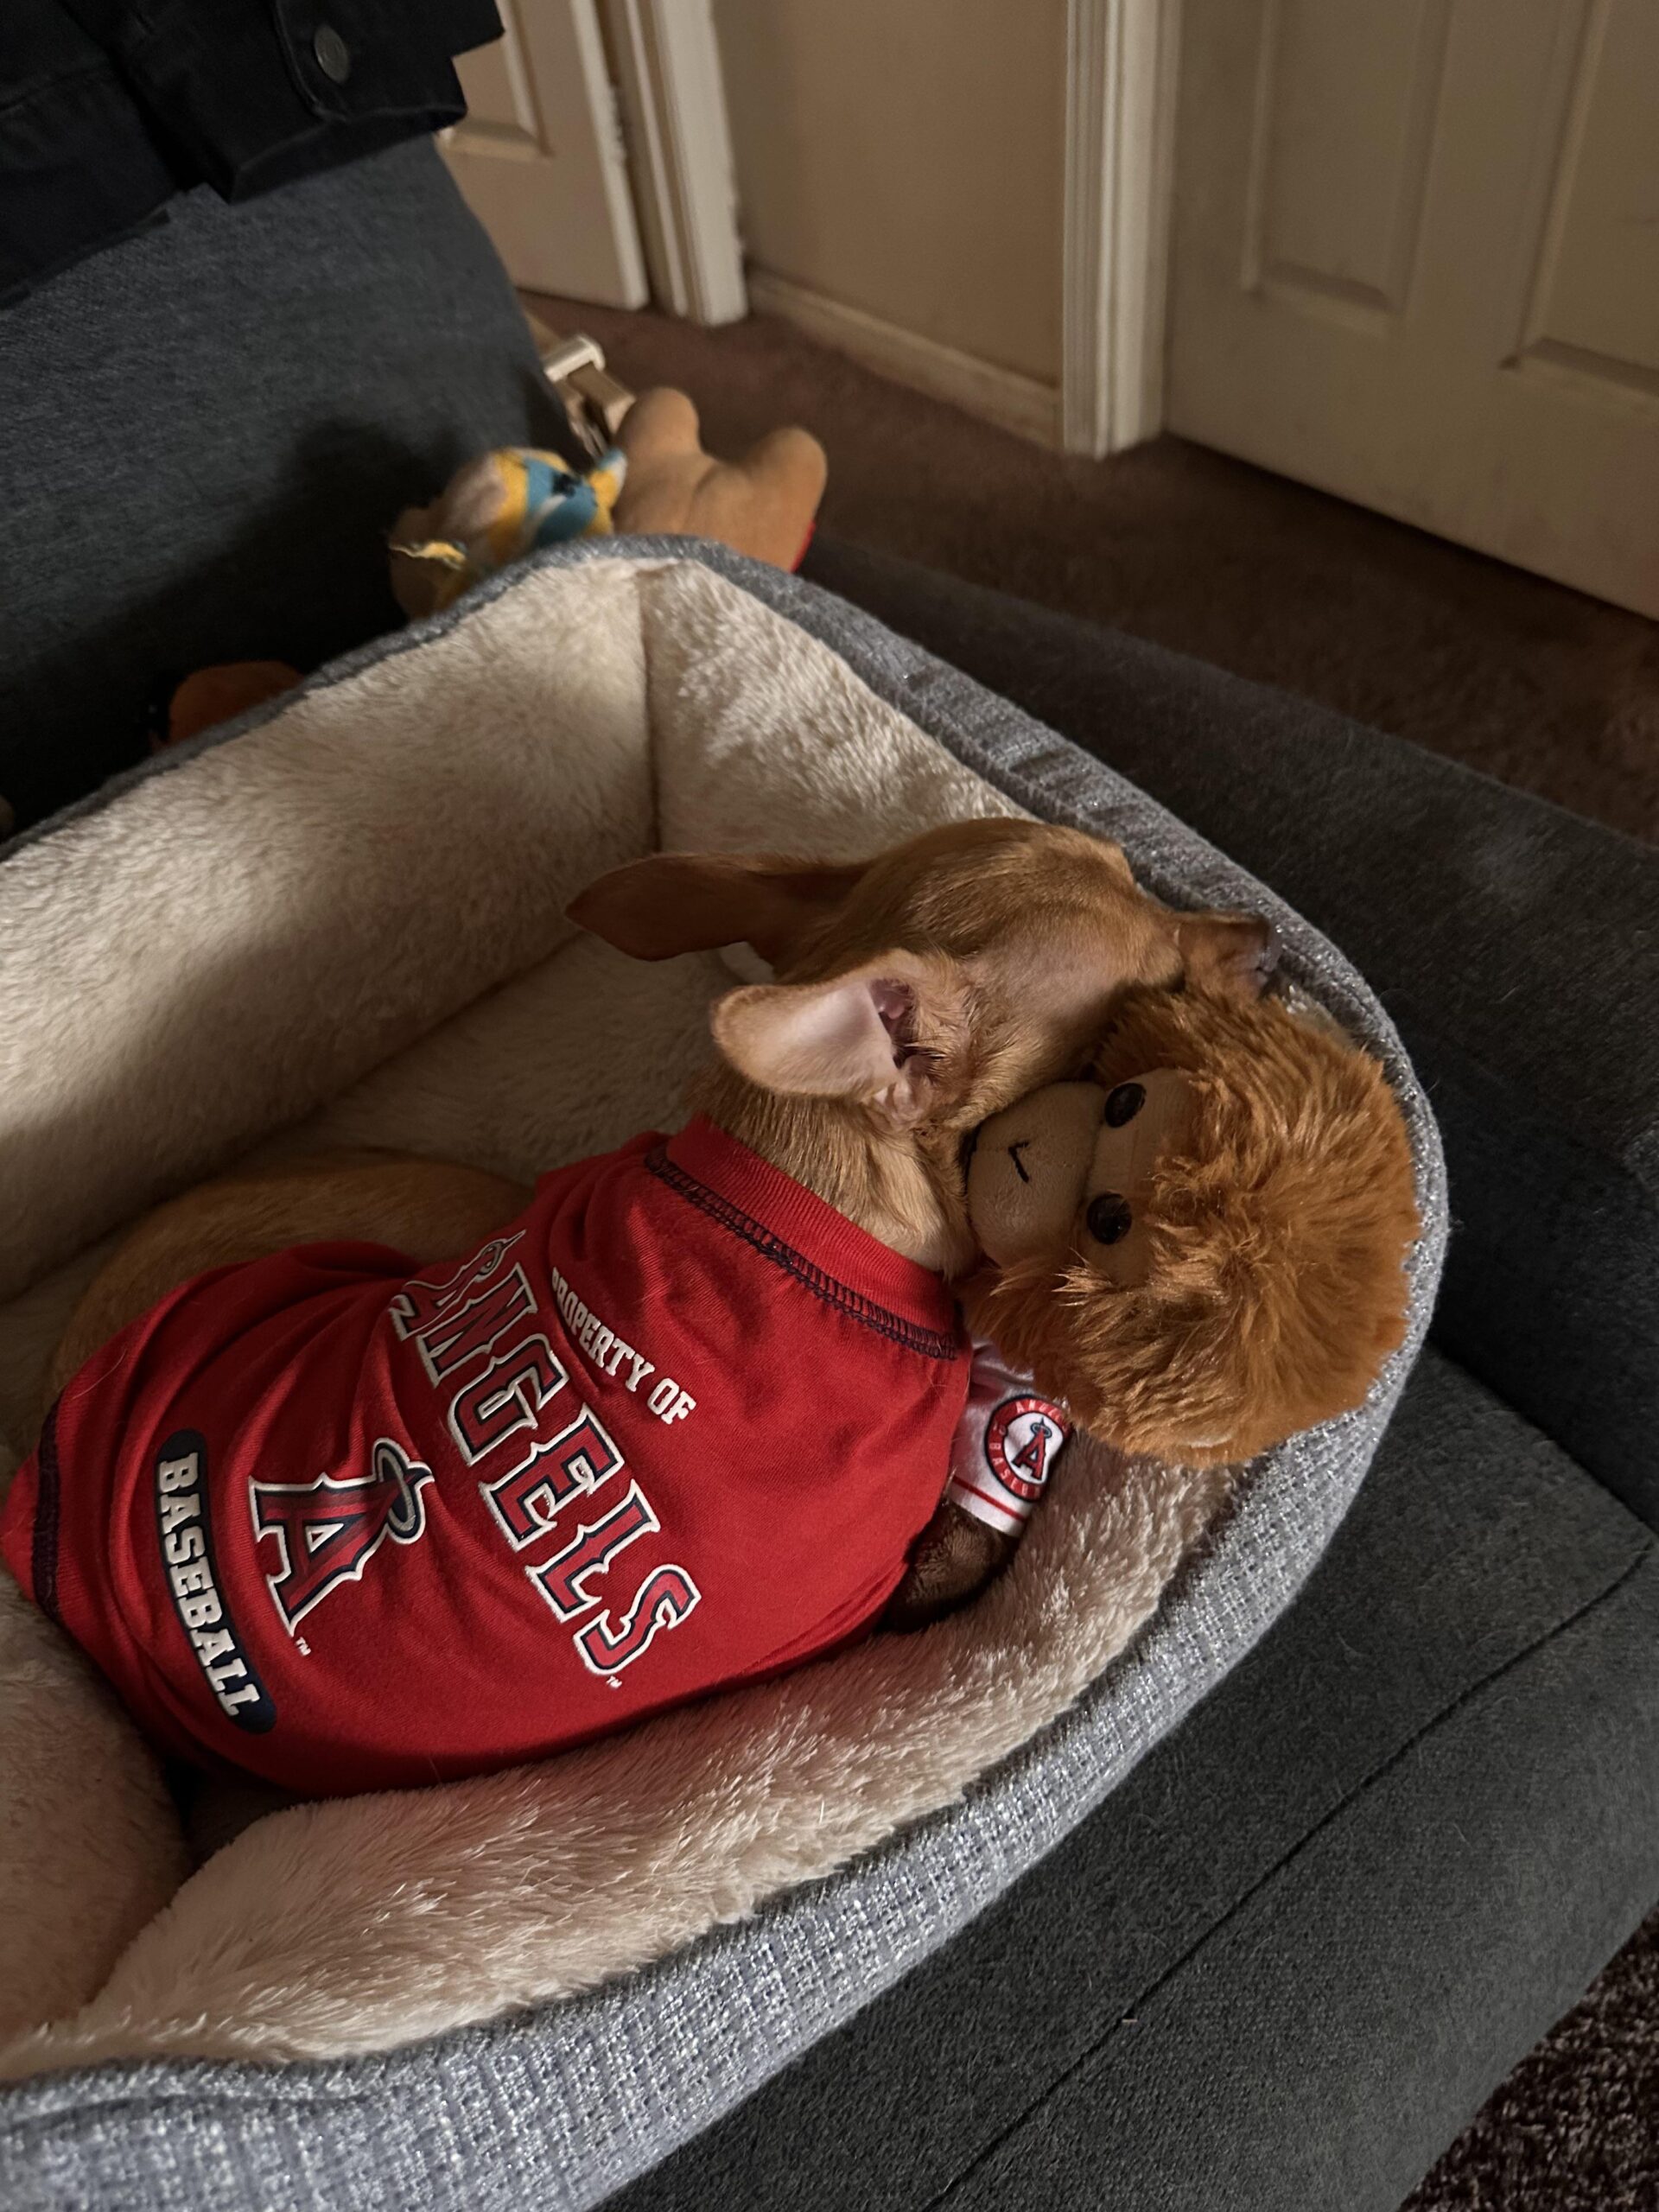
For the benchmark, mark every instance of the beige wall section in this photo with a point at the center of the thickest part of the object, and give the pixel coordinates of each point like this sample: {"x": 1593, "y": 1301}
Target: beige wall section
{"x": 906, "y": 158}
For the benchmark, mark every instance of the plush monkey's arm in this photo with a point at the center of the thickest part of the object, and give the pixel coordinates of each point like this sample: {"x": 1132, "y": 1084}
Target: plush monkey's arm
{"x": 955, "y": 1557}
{"x": 1005, "y": 1447}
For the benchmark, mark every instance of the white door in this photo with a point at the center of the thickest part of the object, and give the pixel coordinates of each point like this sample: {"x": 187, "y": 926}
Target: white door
{"x": 540, "y": 156}
{"x": 1415, "y": 261}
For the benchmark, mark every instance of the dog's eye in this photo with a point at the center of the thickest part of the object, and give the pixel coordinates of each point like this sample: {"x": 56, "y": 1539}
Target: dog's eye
{"x": 1109, "y": 1217}
{"x": 1124, "y": 1103}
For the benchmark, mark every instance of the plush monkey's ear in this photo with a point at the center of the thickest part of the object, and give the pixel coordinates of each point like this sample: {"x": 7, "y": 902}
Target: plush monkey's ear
{"x": 1231, "y": 955}
{"x": 694, "y": 902}
{"x": 887, "y": 1032}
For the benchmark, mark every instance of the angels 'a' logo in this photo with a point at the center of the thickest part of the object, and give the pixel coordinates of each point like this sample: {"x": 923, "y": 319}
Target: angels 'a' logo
{"x": 326, "y": 1531}
{"x": 1021, "y": 1437}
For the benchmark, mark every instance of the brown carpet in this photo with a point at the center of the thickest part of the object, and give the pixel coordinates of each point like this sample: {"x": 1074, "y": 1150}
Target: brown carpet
{"x": 1525, "y": 679}
{"x": 1530, "y": 682}
{"x": 1575, "y": 2128}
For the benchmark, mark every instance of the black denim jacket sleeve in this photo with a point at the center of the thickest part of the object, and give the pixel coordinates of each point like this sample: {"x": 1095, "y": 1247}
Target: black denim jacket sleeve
{"x": 109, "y": 107}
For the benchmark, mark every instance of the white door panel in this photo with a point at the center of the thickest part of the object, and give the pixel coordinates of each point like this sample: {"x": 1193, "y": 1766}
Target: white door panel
{"x": 540, "y": 156}
{"x": 1416, "y": 261}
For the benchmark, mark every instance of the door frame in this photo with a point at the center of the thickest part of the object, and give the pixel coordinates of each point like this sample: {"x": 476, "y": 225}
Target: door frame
{"x": 679, "y": 143}
{"x": 1123, "y": 58}
{"x": 1121, "y": 63}
{"x": 564, "y": 114}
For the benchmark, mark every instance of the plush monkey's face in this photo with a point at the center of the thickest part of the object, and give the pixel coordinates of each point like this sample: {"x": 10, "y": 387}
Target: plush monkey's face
{"x": 1064, "y": 1175}
{"x": 1201, "y": 1250}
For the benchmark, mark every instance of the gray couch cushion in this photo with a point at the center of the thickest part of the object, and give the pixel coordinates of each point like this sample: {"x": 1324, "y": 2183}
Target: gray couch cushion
{"x": 1515, "y": 946}
{"x": 1284, "y": 1963}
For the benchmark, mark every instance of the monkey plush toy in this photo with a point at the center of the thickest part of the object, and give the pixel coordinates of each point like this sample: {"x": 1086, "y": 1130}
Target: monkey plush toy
{"x": 1192, "y": 1253}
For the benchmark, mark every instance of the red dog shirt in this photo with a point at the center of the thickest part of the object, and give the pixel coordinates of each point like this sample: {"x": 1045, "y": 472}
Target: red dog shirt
{"x": 675, "y": 1427}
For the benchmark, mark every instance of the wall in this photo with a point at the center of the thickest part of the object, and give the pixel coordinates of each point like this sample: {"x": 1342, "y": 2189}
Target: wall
{"x": 905, "y": 158}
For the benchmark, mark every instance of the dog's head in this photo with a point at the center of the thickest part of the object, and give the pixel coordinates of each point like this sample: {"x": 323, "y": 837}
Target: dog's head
{"x": 933, "y": 985}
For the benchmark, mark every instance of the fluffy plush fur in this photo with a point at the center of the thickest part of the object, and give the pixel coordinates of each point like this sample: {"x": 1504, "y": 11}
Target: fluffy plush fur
{"x": 1280, "y": 1216}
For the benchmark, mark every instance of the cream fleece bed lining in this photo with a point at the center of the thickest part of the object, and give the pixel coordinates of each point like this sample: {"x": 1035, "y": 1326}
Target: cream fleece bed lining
{"x": 346, "y": 927}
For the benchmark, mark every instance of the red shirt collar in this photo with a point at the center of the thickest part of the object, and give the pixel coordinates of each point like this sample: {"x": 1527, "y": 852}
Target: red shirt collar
{"x": 810, "y": 1226}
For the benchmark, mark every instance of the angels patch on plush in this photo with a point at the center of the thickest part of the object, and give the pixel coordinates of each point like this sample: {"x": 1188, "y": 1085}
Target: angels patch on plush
{"x": 1006, "y": 1444}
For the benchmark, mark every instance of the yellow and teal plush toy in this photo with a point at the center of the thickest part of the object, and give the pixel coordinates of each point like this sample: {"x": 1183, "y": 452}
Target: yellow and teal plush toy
{"x": 657, "y": 481}
{"x": 496, "y": 509}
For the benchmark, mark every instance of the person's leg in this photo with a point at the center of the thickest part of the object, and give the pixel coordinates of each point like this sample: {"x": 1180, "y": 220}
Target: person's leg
{"x": 206, "y": 432}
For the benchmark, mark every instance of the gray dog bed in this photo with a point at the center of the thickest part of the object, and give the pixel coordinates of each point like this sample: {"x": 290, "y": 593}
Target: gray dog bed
{"x": 346, "y": 926}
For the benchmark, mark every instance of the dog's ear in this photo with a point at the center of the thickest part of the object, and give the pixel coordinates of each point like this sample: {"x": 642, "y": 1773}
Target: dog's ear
{"x": 888, "y": 1032}
{"x": 696, "y": 902}
{"x": 1230, "y": 955}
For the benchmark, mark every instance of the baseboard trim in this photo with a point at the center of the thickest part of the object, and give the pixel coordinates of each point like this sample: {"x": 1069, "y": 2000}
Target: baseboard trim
{"x": 1002, "y": 396}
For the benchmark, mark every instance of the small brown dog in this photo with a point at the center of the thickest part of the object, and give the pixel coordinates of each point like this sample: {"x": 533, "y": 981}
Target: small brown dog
{"x": 229, "y": 1452}
{"x": 916, "y": 993}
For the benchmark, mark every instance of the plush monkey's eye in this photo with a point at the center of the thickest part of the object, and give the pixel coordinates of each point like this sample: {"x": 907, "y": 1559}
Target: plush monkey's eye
{"x": 1109, "y": 1217}
{"x": 1124, "y": 1103}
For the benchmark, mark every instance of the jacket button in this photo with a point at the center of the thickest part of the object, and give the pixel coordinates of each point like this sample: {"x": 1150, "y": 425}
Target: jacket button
{"x": 333, "y": 55}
